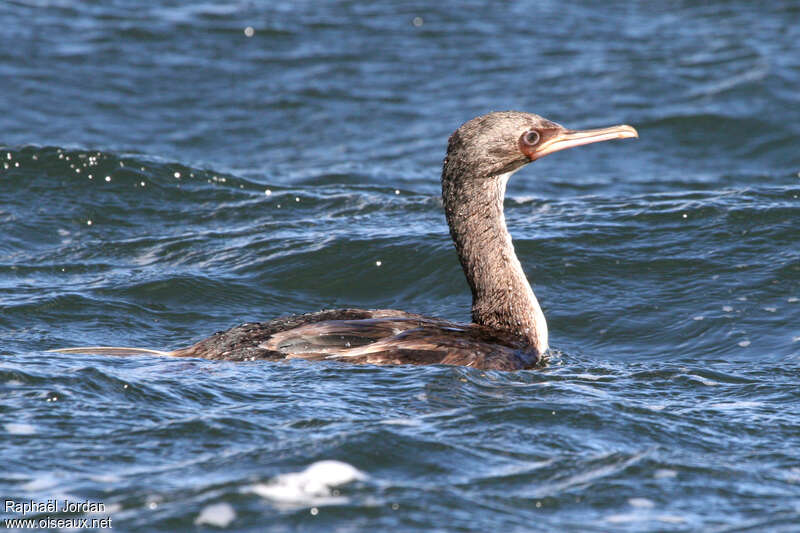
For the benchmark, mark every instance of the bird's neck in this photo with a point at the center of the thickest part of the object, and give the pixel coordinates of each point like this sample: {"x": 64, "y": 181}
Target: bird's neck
{"x": 502, "y": 298}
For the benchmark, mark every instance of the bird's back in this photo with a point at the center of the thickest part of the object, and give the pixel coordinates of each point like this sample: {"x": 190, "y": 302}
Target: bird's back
{"x": 367, "y": 337}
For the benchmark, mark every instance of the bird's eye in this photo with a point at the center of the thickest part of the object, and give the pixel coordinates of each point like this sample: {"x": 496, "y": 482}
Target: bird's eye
{"x": 531, "y": 137}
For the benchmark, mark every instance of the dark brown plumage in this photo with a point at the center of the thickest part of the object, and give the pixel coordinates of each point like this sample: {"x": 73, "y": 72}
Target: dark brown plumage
{"x": 509, "y": 330}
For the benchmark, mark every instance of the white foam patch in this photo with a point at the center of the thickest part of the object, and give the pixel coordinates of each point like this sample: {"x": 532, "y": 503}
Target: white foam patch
{"x": 217, "y": 515}
{"x": 671, "y": 519}
{"x": 664, "y": 473}
{"x": 705, "y": 381}
{"x": 401, "y": 421}
{"x": 105, "y": 478}
{"x": 20, "y": 429}
{"x": 108, "y": 509}
{"x": 43, "y": 482}
{"x": 736, "y": 405}
{"x": 641, "y": 503}
{"x": 793, "y": 475}
{"x": 313, "y": 486}
{"x": 624, "y": 518}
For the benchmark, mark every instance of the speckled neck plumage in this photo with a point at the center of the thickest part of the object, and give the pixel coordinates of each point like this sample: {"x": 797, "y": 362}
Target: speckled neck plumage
{"x": 502, "y": 298}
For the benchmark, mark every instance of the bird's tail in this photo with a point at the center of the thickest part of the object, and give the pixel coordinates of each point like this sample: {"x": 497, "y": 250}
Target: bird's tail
{"x": 111, "y": 350}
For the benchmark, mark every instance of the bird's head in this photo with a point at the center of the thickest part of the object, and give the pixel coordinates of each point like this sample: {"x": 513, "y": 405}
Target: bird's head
{"x": 501, "y": 142}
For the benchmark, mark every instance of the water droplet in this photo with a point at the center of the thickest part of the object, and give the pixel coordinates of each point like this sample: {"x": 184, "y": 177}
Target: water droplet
{"x": 417, "y": 21}
{"x": 378, "y": 263}
{"x": 177, "y": 175}
{"x": 249, "y": 32}
{"x": 88, "y": 222}
{"x": 268, "y": 192}
{"x": 314, "y": 511}
{"x": 108, "y": 178}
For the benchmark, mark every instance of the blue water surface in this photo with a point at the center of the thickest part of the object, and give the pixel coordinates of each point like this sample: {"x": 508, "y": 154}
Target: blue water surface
{"x": 170, "y": 168}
